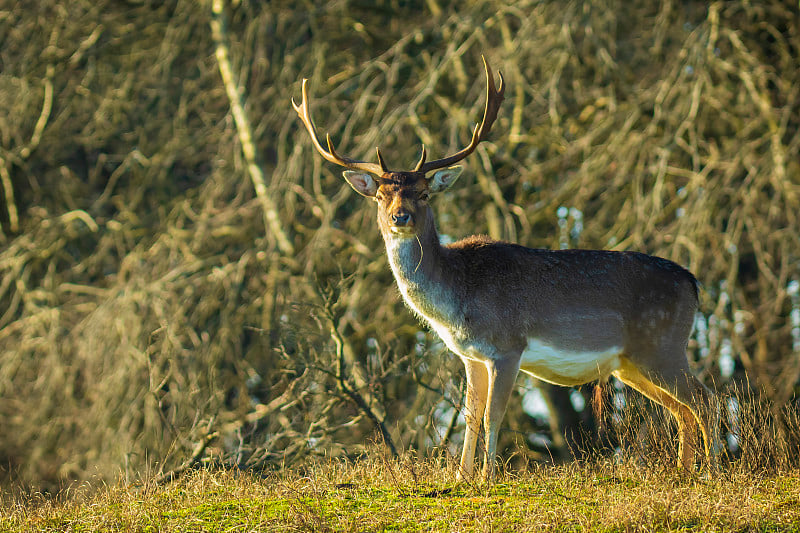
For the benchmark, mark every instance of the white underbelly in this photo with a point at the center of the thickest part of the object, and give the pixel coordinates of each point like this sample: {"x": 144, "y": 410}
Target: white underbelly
{"x": 568, "y": 367}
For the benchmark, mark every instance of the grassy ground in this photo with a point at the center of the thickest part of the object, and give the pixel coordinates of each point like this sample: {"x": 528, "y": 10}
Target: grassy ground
{"x": 406, "y": 495}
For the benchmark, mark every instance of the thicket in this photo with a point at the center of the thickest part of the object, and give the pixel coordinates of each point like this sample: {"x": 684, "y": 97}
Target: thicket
{"x": 184, "y": 279}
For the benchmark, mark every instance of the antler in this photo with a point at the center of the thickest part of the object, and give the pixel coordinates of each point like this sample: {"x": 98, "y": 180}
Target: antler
{"x": 493, "y": 100}
{"x": 330, "y": 154}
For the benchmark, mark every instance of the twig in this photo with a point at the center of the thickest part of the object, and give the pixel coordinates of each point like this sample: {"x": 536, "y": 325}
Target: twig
{"x": 199, "y": 449}
{"x": 345, "y": 388}
{"x": 8, "y": 191}
{"x": 271, "y": 218}
{"x": 451, "y": 427}
{"x": 44, "y": 116}
{"x": 260, "y": 412}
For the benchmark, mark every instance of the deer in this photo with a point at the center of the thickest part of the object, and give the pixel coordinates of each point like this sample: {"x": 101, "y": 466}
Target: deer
{"x": 566, "y": 317}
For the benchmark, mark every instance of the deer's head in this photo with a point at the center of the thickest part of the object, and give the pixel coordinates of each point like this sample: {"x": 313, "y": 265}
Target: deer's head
{"x": 402, "y": 196}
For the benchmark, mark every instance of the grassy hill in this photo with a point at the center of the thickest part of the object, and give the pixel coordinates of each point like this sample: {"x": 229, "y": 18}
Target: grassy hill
{"x": 408, "y": 495}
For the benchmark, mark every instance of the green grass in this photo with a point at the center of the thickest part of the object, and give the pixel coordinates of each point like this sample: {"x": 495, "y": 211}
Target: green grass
{"x": 405, "y": 495}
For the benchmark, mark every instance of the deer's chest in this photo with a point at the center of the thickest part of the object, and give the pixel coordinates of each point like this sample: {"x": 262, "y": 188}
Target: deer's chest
{"x": 436, "y": 302}
{"x": 444, "y": 314}
{"x": 438, "y": 308}
{"x": 422, "y": 289}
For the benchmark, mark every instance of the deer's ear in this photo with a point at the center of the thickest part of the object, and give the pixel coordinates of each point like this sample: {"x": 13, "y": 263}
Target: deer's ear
{"x": 362, "y": 182}
{"x": 442, "y": 179}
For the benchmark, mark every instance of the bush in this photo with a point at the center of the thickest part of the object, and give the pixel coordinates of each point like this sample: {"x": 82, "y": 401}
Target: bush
{"x": 156, "y": 307}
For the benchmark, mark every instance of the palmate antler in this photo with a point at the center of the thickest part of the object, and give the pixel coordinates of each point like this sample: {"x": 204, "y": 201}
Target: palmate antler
{"x": 494, "y": 97}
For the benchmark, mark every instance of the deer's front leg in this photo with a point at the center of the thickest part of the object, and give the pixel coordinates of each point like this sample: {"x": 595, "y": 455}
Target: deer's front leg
{"x": 502, "y": 374}
{"x": 475, "y": 404}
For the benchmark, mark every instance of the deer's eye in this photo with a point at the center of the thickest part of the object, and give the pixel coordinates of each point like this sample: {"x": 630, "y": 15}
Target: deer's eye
{"x": 424, "y": 197}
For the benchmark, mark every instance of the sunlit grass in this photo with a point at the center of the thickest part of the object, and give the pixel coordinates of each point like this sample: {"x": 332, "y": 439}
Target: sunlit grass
{"x": 374, "y": 494}
{"x": 637, "y": 488}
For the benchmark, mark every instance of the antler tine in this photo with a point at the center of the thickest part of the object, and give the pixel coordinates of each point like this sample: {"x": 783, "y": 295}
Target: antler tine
{"x": 381, "y": 162}
{"x": 305, "y": 115}
{"x": 494, "y": 97}
{"x": 421, "y": 162}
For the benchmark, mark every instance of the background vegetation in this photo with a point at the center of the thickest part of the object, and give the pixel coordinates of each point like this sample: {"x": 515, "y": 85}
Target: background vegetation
{"x": 182, "y": 280}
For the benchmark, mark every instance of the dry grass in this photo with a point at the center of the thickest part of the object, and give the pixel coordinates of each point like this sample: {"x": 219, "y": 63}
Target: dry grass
{"x": 637, "y": 489}
{"x": 375, "y": 494}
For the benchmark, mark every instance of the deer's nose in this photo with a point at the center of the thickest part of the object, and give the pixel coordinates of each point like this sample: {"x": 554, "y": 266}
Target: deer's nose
{"x": 401, "y": 219}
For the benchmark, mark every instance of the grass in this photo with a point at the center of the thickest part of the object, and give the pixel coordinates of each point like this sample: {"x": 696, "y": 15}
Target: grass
{"x": 409, "y": 495}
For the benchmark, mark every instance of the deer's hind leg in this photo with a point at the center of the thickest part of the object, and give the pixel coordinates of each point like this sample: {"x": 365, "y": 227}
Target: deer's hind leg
{"x": 679, "y": 380}
{"x": 687, "y": 433}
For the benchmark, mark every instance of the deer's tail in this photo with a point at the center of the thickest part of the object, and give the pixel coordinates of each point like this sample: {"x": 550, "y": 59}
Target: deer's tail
{"x": 597, "y": 406}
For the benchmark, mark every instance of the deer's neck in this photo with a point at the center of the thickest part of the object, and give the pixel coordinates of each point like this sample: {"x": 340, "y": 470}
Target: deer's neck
{"x": 419, "y": 269}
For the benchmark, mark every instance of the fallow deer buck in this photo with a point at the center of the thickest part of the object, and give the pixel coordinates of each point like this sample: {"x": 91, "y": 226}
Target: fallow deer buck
{"x": 566, "y": 317}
